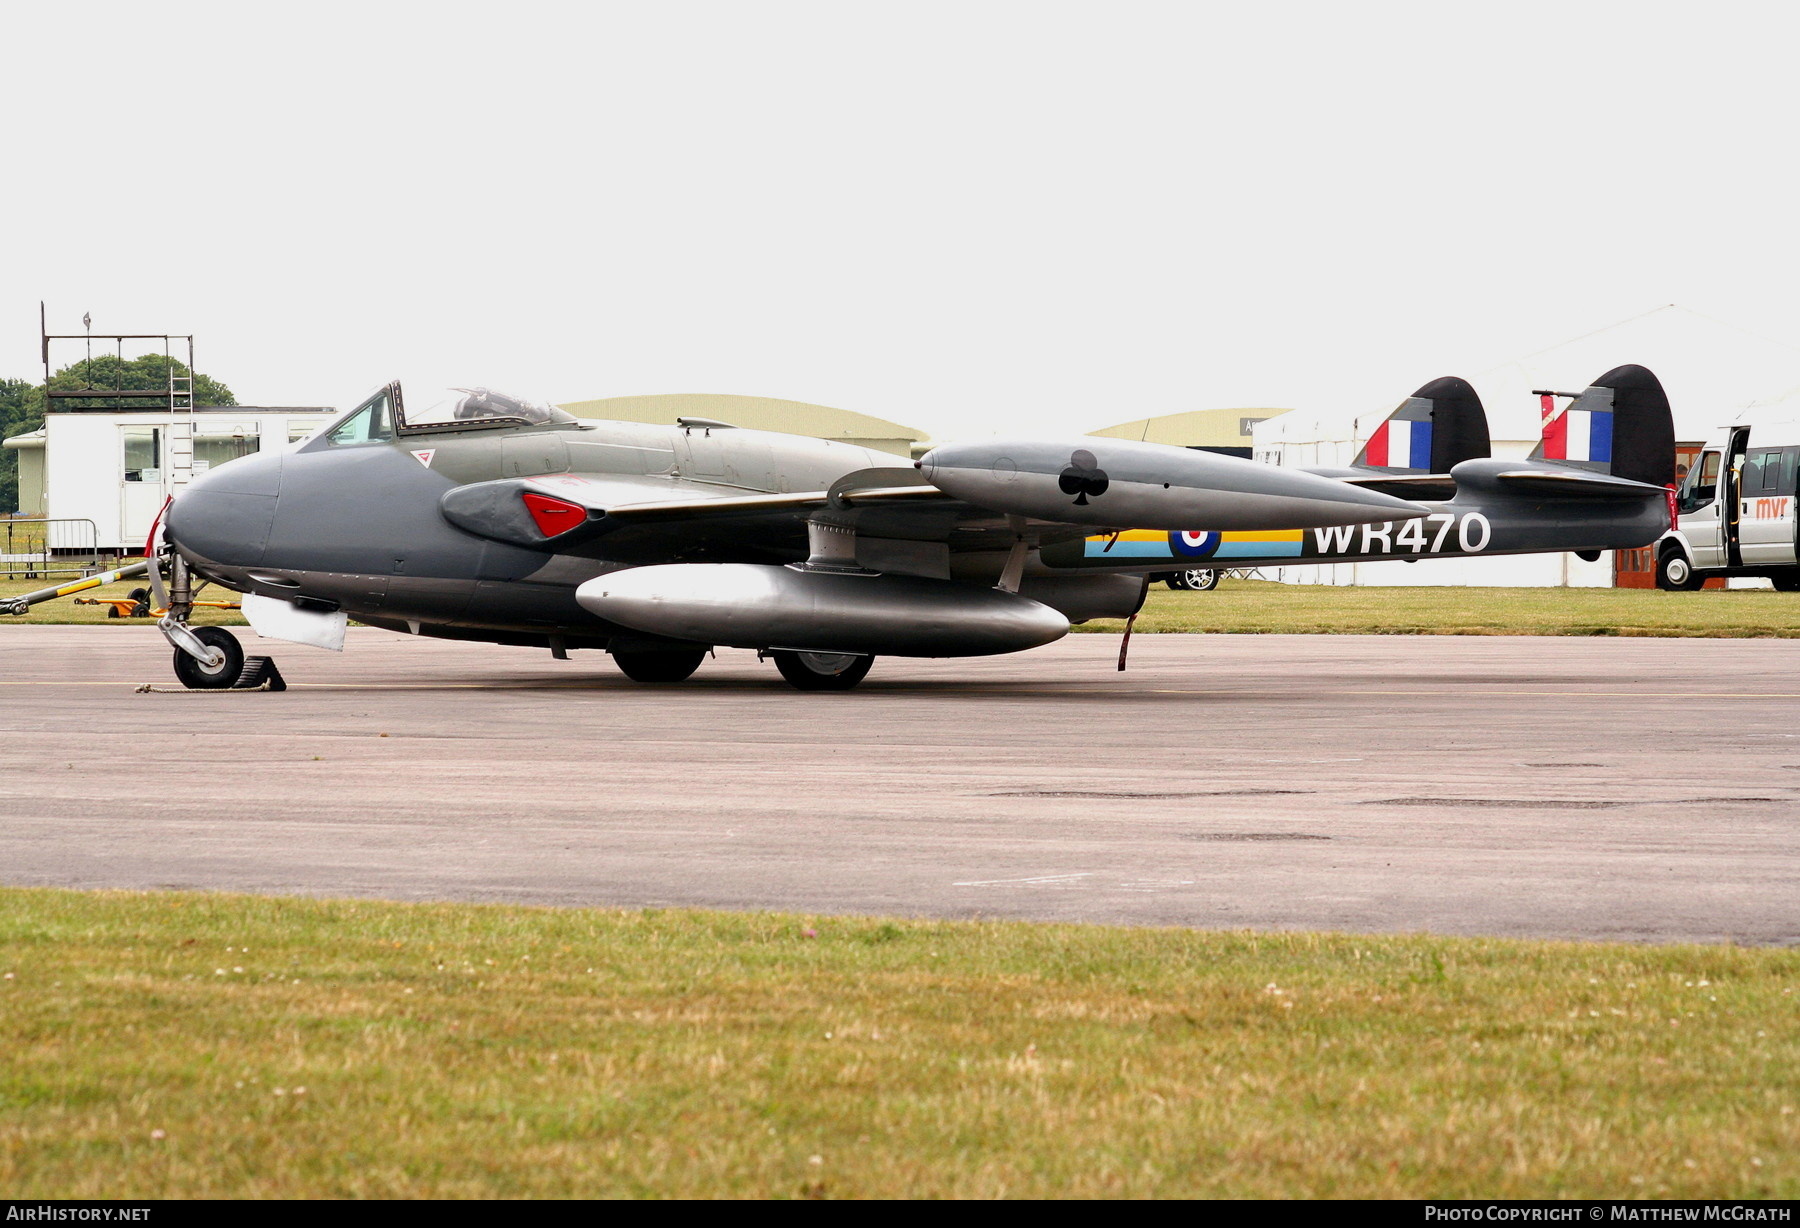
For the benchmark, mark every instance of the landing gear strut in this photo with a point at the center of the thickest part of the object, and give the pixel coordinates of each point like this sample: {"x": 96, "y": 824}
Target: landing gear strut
{"x": 206, "y": 658}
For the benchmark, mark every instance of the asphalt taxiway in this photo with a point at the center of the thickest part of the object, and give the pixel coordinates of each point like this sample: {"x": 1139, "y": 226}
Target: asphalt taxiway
{"x": 1643, "y": 789}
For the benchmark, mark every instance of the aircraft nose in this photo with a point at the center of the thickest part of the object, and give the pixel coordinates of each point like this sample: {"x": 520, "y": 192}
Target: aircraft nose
{"x": 225, "y": 516}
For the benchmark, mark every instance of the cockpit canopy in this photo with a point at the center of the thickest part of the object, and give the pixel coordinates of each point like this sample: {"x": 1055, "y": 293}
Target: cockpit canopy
{"x": 470, "y": 406}
{"x": 459, "y": 409}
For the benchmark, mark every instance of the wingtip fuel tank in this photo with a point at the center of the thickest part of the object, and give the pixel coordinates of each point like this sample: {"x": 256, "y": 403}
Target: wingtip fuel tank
{"x": 1121, "y": 483}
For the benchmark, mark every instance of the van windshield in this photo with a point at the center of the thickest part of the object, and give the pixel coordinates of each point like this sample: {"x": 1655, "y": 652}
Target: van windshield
{"x": 1702, "y": 483}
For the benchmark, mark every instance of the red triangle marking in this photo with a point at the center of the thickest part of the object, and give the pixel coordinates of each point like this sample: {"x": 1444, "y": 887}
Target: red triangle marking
{"x": 553, "y": 516}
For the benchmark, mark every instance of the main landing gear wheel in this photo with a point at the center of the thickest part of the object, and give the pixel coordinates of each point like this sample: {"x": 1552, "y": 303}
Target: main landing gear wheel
{"x": 822, "y": 671}
{"x": 1674, "y": 574}
{"x": 198, "y": 676}
{"x": 670, "y": 665}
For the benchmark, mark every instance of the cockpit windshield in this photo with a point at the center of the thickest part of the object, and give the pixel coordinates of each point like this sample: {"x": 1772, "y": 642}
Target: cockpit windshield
{"x": 472, "y": 407}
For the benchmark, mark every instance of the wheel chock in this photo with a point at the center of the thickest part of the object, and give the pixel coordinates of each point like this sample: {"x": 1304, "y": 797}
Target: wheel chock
{"x": 259, "y": 674}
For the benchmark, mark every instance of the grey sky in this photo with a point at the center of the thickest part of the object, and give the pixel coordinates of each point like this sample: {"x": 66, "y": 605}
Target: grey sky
{"x": 967, "y": 217}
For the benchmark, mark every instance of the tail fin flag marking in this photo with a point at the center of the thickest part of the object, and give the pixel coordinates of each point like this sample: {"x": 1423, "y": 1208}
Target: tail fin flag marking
{"x": 1432, "y": 431}
{"x": 1580, "y": 435}
{"x": 1619, "y": 426}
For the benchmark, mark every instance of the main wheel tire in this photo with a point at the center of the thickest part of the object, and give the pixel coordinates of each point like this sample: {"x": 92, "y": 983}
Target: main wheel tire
{"x": 1199, "y": 579}
{"x": 822, "y": 671}
{"x": 198, "y": 677}
{"x": 1674, "y": 574}
{"x": 670, "y": 665}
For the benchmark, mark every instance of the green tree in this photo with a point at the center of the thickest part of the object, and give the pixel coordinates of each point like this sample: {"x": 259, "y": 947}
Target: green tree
{"x": 21, "y": 410}
{"x": 149, "y": 373}
{"x": 22, "y": 402}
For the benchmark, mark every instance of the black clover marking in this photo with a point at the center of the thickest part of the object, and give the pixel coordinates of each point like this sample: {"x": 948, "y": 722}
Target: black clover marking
{"x": 1083, "y": 477}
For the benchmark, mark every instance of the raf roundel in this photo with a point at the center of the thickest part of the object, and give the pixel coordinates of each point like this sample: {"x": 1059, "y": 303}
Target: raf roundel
{"x": 1186, "y": 543}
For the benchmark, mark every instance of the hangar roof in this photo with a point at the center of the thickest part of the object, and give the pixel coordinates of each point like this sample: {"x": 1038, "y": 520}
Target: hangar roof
{"x": 1195, "y": 428}
{"x": 755, "y": 413}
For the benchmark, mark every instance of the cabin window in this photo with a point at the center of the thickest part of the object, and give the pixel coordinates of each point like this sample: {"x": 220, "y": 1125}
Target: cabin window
{"x": 1779, "y": 478}
{"x": 1763, "y": 471}
{"x": 143, "y": 453}
{"x": 217, "y": 444}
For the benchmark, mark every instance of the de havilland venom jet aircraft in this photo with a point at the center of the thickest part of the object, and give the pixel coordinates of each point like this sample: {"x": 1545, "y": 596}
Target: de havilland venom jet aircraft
{"x": 487, "y": 517}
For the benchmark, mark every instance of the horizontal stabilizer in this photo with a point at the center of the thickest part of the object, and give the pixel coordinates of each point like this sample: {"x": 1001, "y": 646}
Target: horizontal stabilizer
{"x": 1572, "y": 484}
{"x": 1407, "y": 486}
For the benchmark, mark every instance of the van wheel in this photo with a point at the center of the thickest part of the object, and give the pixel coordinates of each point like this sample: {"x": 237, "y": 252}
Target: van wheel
{"x": 822, "y": 671}
{"x": 1200, "y": 579}
{"x": 1674, "y": 574}
{"x": 1787, "y": 583}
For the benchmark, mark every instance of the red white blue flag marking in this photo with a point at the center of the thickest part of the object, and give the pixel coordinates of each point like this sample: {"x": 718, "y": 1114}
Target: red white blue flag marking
{"x": 1579, "y": 435}
{"x": 1398, "y": 444}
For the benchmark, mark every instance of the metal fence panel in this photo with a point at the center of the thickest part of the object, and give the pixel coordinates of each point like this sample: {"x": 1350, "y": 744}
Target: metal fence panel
{"x": 34, "y": 548}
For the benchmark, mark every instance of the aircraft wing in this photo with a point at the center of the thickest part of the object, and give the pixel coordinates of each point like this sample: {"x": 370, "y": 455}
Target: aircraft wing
{"x": 865, "y": 488}
{"x": 957, "y": 500}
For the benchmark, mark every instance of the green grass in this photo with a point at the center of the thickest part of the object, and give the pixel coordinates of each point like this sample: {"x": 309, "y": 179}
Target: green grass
{"x": 192, "y": 1046}
{"x": 62, "y": 611}
{"x": 1246, "y": 607}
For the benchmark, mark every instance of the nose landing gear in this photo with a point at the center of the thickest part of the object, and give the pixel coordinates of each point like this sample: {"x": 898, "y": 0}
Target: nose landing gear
{"x": 206, "y": 658}
{"x": 221, "y": 666}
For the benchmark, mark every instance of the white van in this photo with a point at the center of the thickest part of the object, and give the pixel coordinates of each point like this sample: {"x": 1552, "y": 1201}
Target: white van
{"x": 1735, "y": 511}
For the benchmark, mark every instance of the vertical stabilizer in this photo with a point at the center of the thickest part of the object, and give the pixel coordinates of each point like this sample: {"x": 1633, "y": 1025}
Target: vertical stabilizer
{"x": 1436, "y": 428}
{"x": 1621, "y": 425}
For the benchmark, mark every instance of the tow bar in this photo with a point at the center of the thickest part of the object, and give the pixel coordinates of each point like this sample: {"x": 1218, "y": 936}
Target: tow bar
{"x": 24, "y": 602}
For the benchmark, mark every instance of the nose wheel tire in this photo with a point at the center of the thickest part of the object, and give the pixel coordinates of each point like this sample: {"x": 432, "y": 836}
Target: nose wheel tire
{"x": 1674, "y": 574}
{"x": 822, "y": 671}
{"x": 670, "y": 666}
{"x": 196, "y": 675}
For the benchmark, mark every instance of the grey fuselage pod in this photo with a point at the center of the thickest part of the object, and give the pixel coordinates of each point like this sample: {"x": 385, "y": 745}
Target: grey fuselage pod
{"x": 1123, "y": 484}
{"x": 750, "y": 606}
